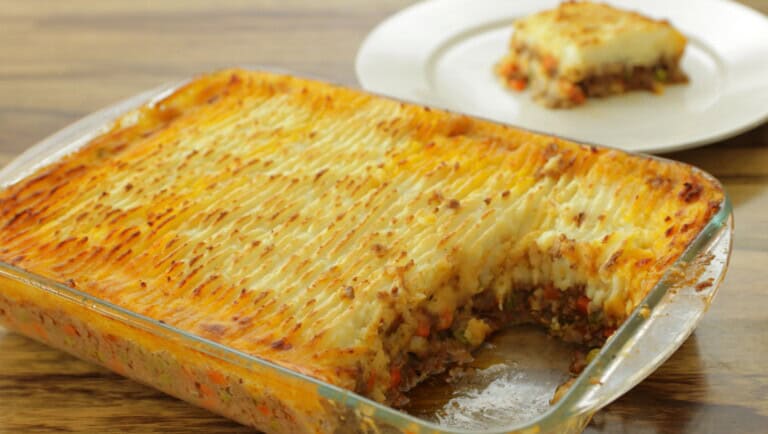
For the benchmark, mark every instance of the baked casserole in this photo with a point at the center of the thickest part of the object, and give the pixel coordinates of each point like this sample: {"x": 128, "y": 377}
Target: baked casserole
{"x": 362, "y": 241}
{"x": 581, "y": 50}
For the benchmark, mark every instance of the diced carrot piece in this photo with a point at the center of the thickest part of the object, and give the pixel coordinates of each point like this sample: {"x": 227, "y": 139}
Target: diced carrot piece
{"x": 394, "y": 377}
{"x": 70, "y": 330}
{"x": 40, "y": 331}
{"x": 582, "y": 303}
{"x": 263, "y": 409}
{"x": 517, "y": 84}
{"x": 551, "y": 293}
{"x": 576, "y": 95}
{"x": 205, "y": 391}
{"x": 549, "y": 63}
{"x": 217, "y": 377}
{"x": 508, "y": 68}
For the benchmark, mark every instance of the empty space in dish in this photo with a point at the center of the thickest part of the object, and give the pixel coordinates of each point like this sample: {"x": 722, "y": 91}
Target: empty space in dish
{"x": 512, "y": 380}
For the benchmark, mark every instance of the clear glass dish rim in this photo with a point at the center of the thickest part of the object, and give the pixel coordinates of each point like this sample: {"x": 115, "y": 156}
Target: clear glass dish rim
{"x": 81, "y": 131}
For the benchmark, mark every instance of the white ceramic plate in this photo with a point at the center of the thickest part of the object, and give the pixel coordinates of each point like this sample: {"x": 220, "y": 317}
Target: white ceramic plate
{"x": 442, "y": 53}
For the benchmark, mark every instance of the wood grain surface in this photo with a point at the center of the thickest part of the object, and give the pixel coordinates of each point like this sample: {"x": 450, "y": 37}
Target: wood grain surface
{"x": 62, "y": 60}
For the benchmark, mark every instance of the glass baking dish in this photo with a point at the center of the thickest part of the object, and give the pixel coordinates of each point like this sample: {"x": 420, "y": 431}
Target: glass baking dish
{"x": 271, "y": 398}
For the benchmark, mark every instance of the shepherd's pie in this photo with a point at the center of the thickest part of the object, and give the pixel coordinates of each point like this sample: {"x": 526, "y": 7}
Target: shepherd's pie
{"x": 363, "y": 241}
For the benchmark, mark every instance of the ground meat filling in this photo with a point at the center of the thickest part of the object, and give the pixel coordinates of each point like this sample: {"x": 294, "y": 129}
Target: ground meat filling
{"x": 635, "y": 78}
{"x": 527, "y": 68}
{"x": 565, "y": 313}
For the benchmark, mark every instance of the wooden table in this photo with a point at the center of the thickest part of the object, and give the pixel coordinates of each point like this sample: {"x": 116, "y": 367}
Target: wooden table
{"x": 62, "y": 60}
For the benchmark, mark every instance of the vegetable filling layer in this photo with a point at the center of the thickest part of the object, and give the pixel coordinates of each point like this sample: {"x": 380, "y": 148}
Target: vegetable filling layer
{"x": 441, "y": 342}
